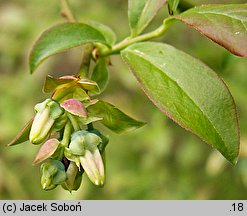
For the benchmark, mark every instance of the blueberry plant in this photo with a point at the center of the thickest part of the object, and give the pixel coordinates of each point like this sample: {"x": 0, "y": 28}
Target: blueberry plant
{"x": 181, "y": 86}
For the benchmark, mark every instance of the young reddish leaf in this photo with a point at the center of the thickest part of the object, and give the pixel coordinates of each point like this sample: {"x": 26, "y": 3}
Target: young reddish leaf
{"x": 113, "y": 118}
{"x": 23, "y": 135}
{"x": 60, "y": 38}
{"x": 52, "y": 83}
{"x": 46, "y": 150}
{"x": 187, "y": 91}
{"x": 68, "y": 92}
{"x": 72, "y": 83}
{"x": 224, "y": 24}
{"x": 74, "y": 107}
{"x": 141, "y": 13}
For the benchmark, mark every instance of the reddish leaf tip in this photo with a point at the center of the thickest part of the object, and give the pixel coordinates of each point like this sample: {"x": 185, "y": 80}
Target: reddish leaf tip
{"x": 75, "y": 107}
{"x": 46, "y": 150}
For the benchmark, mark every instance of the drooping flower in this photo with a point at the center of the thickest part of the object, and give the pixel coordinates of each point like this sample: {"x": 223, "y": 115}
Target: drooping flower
{"x": 47, "y": 112}
{"x": 83, "y": 150}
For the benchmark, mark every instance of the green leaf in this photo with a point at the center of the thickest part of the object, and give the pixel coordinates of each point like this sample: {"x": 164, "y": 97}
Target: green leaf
{"x": 188, "y": 92}
{"x": 88, "y": 103}
{"x": 224, "y": 24}
{"x": 89, "y": 119}
{"x": 100, "y": 74}
{"x": 23, "y": 135}
{"x": 141, "y": 13}
{"x": 113, "y": 118}
{"x": 105, "y": 30}
{"x": 60, "y": 38}
{"x": 172, "y": 5}
{"x": 89, "y": 85}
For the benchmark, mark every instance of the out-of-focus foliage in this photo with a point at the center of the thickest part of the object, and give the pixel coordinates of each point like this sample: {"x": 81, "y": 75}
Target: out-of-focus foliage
{"x": 158, "y": 161}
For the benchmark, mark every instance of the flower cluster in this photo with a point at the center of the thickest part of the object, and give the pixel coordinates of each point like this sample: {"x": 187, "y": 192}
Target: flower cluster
{"x": 79, "y": 147}
{"x": 64, "y": 127}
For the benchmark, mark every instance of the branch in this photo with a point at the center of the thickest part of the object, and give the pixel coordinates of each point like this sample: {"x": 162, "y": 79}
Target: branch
{"x": 128, "y": 41}
{"x": 66, "y": 11}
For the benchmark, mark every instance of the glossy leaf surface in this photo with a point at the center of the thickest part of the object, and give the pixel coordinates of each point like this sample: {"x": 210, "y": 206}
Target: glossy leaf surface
{"x": 224, "y": 24}
{"x": 187, "y": 91}
{"x": 105, "y": 30}
{"x": 60, "y": 38}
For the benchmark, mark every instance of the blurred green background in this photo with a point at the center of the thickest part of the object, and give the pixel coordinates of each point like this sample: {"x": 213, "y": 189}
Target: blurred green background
{"x": 158, "y": 161}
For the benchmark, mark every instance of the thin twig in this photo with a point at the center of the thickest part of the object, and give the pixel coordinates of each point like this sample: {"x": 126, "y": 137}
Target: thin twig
{"x": 128, "y": 41}
{"x": 66, "y": 11}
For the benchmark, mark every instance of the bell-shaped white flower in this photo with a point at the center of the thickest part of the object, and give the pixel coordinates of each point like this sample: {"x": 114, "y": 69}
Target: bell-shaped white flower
{"x": 47, "y": 112}
{"x": 83, "y": 151}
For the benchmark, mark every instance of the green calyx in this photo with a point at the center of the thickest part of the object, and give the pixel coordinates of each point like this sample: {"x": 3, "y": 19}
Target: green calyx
{"x": 53, "y": 174}
{"x": 83, "y": 140}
